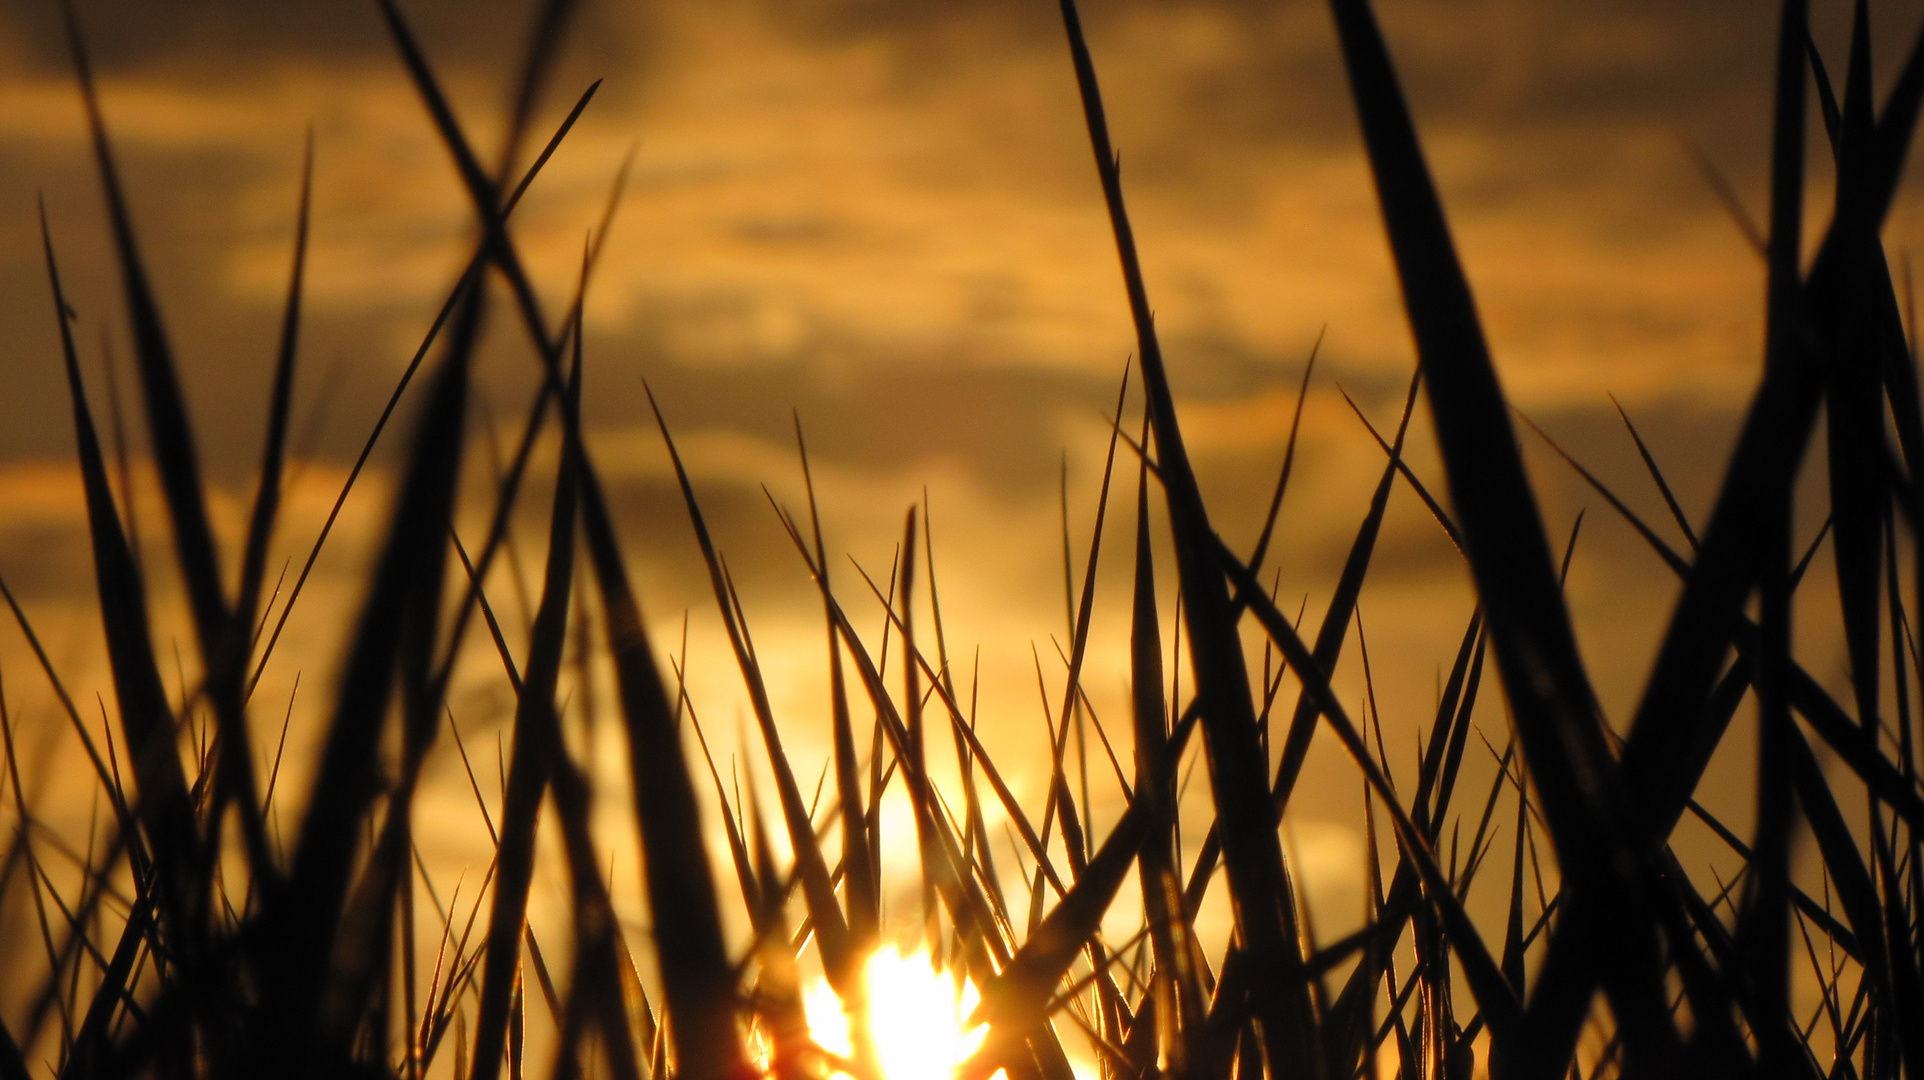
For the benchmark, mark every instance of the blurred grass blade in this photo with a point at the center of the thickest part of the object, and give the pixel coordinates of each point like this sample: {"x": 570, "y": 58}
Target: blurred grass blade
{"x": 161, "y": 803}
{"x": 528, "y": 775}
{"x": 470, "y": 279}
{"x": 167, "y": 421}
{"x": 299, "y": 937}
{"x": 229, "y": 668}
{"x": 1888, "y": 963}
{"x": 12, "y": 1065}
{"x": 1854, "y": 420}
{"x": 699, "y": 980}
{"x": 604, "y": 972}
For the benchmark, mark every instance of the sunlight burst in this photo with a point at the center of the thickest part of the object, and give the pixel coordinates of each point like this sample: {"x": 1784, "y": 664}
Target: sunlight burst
{"x": 917, "y": 1015}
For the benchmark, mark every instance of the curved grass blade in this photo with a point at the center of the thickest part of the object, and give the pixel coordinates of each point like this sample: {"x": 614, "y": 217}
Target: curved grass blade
{"x": 236, "y": 777}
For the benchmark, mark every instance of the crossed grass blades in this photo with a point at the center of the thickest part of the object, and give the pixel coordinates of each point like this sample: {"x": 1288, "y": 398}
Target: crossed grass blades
{"x": 191, "y": 948}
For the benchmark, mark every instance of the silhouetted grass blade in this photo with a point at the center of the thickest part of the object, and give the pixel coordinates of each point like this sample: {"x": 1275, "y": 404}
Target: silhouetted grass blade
{"x": 1887, "y": 963}
{"x": 1342, "y": 602}
{"x": 1175, "y": 994}
{"x": 229, "y": 667}
{"x": 1013, "y": 1003}
{"x": 1551, "y": 700}
{"x": 161, "y": 803}
{"x": 470, "y": 279}
{"x": 299, "y": 938}
{"x": 698, "y": 978}
{"x": 1500, "y": 1008}
{"x": 824, "y": 913}
{"x": 701, "y": 994}
{"x": 267, "y": 496}
{"x": 1061, "y": 802}
{"x": 1854, "y": 427}
{"x": 1263, "y": 908}
{"x": 528, "y": 775}
{"x": 12, "y": 1065}
{"x": 1506, "y": 546}
{"x": 1289, "y": 459}
{"x": 167, "y": 423}
{"x": 859, "y": 881}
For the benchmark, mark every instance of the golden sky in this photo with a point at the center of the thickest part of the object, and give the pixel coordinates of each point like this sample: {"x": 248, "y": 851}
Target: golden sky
{"x": 884, "y": 216}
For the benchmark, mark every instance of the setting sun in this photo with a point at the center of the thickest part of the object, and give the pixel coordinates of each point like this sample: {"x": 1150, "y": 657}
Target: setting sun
{"x": 916, "y": 1012}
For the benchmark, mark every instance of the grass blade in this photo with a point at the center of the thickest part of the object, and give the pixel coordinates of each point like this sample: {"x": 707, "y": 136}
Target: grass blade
{"x": 698, "y": 978}
{"x": 1500, "y": 1008}
{"x": 166, "y": 410}
{"x": 469, "y": 279}
{"x": 833, "y": 935}
{"x": 859, "y": 882}
{"x": 299, "y": 937}
{"x": 1012, "y": 1005}
{"x": 162, "y": 804}
{"x": 1551, "y": 700}
{"x": 528, "y": 775}
{"x": 1888, "y": 963}
{"x": 1264, "y": 910}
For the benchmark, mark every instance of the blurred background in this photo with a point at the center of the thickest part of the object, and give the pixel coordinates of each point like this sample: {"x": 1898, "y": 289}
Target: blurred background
{"x": 883, "y": 218}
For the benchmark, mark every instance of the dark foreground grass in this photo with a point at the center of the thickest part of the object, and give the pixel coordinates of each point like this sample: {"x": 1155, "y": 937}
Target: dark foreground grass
{"x": 195, "y": 946}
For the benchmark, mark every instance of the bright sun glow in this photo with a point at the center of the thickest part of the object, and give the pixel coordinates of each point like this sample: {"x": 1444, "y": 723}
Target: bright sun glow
{"x": 916, "y": 1015}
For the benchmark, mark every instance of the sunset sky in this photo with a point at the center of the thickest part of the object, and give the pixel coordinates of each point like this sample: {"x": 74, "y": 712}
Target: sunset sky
{"x": 884, "y": 216}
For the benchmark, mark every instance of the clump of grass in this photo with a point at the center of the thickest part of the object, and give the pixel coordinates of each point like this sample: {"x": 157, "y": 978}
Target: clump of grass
{"x": 185, "y": 954}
